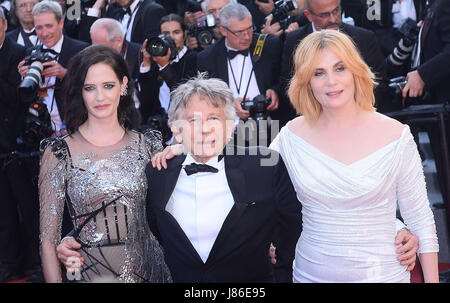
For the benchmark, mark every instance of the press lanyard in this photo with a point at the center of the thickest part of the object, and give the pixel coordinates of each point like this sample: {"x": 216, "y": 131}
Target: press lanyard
{"x": 238, "y": 88}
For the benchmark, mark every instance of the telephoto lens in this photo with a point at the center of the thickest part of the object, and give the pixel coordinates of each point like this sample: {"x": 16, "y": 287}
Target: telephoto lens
{"x": 159, "y": 46}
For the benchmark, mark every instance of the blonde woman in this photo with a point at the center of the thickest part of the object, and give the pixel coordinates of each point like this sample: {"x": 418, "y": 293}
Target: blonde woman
{"x": 350, "y": 167}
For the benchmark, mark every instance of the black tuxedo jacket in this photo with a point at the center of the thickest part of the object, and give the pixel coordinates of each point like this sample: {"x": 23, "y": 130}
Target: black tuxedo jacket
{"x": 132, "y": 57}
{"x": 368, "y": 46}
{"x": 70, "y": 48}
{"x": 435, "y": 55}
{"x": 173, "y": 74}
{"x": 14, "y": 35}
{"x": 146, "y": 21}
{"x": 11, "y": 54}
{"x": 266, "y": 210}
{"x": 267, "y": 68}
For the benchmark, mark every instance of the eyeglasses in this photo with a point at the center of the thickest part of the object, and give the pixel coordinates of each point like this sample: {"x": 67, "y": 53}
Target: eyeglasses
{"x": 326, "y": 15}
{"x": 241, "y": 33}
{"x": 25, "y": 5}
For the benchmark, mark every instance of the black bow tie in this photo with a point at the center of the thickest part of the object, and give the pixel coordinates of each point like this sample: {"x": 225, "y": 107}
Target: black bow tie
{"x": 123, "y": 12}
{"x": 197, "y": 168}
{"x": 33, "y": 33}
{"x": 231, "y": 53}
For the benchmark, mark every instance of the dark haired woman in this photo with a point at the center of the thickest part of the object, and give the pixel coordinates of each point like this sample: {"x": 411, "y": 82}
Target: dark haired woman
{"x": 97, "y": 170}
{"x": 167, "y": 73}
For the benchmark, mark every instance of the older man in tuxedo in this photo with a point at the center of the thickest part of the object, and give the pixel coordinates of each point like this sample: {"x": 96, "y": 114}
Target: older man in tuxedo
{"x": 248, "y": 62}
{"x": 214, "y": 214}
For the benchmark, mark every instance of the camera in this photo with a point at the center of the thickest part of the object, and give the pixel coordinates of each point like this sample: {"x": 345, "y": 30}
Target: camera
{"x": 202, "y": 29}
{"x": 404, "y": 48}
{"x": 257, "y": 107}
{"x": 398, "y": 84}
{"x": 33, "y": 78}
{"x": 160, "y": 45}
{"x": 36, "y": 126}
{"x": 281, "y": 11}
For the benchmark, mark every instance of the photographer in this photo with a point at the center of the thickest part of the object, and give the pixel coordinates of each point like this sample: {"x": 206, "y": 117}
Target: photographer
{"x": 212, "y": 8}
{"x": 285, "y": 17}
{"x": 234, "y": 60}
{"x": 19, "y": 228}
{"x": 169, "y": 63}
{"x": 47, "y": 17}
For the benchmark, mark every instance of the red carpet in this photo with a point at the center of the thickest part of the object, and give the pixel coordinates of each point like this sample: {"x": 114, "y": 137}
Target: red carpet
{"x": 416, "y": 274}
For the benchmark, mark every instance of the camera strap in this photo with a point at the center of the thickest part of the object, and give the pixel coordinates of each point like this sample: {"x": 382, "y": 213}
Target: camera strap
{"x": 257, "y": 52}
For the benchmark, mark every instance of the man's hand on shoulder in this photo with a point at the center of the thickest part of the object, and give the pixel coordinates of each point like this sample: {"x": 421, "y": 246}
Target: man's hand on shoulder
{"x": 408, "y": 250}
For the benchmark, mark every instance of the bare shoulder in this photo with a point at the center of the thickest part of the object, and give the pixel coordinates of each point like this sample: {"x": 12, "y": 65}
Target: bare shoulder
{"x": 386, "y": 125}
{"x": 298, "y": 125}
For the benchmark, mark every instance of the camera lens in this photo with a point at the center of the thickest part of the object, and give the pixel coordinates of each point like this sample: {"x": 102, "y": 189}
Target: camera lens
{"x": 32, "y": 79}
{"x": 205, "y": 38}
{"x": 157, "y": 47}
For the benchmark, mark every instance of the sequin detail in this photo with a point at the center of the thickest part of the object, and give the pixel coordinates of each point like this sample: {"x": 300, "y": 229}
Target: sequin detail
{"x": 105, "y": 189}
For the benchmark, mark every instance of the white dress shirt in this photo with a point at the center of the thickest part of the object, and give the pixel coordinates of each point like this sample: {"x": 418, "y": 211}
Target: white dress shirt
{"x": 241, "y": 68}
{"x": 127, "y": 24}
{"x": 33, "y": 38}
{"x": 49, "y": 100}
{"x": 200, "y": 203}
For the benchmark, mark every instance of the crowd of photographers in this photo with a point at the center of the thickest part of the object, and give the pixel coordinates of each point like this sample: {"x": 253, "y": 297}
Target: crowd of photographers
{"x": 249, "y": 46}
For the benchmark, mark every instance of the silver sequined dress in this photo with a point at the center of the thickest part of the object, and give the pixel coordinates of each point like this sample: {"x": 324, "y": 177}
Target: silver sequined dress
{"x": 104, "y": 189}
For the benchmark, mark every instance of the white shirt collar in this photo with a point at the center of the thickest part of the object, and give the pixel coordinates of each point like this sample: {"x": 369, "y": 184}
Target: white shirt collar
{"x": 133, "y": 6}
{"x": 228, "y": 47}
{"x": 214, "y": 161}
{"x": 58, "y": 46}
{"x": 181, "y": 54}
{"x": 28, "y": 31}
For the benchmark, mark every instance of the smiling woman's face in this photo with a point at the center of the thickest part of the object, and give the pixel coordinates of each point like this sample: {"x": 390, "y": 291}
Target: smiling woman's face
{"x": 332, "y": 83}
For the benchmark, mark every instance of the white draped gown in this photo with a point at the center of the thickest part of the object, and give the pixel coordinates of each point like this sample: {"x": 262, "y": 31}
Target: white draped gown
{"x": 349, "y": 211}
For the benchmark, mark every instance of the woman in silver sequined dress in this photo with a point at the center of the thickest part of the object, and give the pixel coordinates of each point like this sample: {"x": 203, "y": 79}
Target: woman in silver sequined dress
{"x": 97, "y": 172}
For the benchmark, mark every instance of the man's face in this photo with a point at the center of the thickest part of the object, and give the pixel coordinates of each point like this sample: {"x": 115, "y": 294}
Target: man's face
{"x": 325, "y": 14}
{"x": 214, "y": 7}
{"x": 3, "y": 26}
{"x": 48, "y": 29}
{"x": 203, "y": 129}
{"x": 124, "y": 3}
{"x": 24, "y": 9}
{"x": 99, "y": 36}
{"x": 239, "y": 34}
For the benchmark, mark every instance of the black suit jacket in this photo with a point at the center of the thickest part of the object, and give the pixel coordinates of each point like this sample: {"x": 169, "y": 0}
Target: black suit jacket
{"x": 267, "y": 68}
{"x": 435, "y": 55}
{"x": 11, "y": 54}
{"x": 70, "y": 48}
{"x": 173, "y": 74}
{"x": 266, "y": 210}
{"x": 14, "y": 35}
{"x": 132, "y": 57}
{"x": 146, "y": 21}
{"x": 368, "y": 46}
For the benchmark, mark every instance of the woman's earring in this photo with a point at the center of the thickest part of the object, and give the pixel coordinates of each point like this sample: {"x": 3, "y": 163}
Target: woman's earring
{"x": 125, "y": 91}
